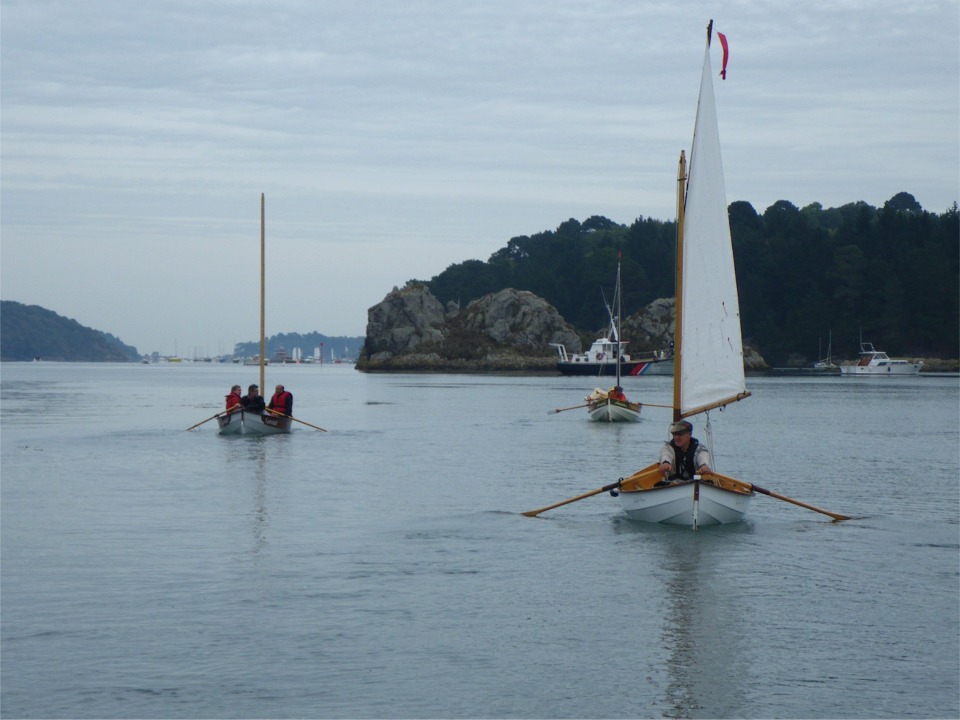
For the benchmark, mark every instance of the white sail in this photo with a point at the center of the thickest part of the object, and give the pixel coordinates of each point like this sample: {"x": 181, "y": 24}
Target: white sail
{"x": 711, "y": 347}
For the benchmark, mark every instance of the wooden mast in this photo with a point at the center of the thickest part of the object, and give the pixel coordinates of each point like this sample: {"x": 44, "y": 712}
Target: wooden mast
{"x": 263, "y": 255}
{"x": 619, "y": 310}
{"x": 678, "y": 309}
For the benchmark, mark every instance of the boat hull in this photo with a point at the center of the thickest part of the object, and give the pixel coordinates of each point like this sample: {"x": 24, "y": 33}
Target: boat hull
{"x": 609, "y": 369}
{"x": 231, "y": 424}
{"x": 612, "y": 411}
{"x": 675, "y": 505}
{"x": 890, "y": 367}
{"x": 255, "y": 424}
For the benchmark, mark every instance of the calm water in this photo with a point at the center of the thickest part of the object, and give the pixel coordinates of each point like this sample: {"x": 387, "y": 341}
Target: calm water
{"x": 383, "y": 569}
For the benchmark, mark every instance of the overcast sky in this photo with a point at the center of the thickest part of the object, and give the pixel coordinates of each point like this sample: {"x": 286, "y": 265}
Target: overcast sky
{"x": 393, "y": 139}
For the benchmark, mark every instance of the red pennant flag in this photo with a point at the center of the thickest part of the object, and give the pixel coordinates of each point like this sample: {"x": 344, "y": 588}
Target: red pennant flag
{"x": 726, "y": 54}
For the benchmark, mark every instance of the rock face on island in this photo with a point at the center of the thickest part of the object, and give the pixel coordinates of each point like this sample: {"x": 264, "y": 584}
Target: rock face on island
{"x": 511, "y": 330}
{"x": 653, "y": 329}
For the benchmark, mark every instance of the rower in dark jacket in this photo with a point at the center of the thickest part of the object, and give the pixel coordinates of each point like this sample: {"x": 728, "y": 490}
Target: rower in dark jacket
{"x": 684, "y": 456}
{"x": 253, "y": 401}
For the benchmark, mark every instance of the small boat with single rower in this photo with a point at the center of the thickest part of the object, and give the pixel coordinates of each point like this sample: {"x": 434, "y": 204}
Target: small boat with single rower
{"x": 612, "y": 405}
{"x": 708, "y": 360}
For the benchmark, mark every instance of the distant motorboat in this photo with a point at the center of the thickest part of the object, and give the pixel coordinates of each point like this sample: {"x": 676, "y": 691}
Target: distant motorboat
{"x": 606, "y": 356}
{"x": 877, "y": 362}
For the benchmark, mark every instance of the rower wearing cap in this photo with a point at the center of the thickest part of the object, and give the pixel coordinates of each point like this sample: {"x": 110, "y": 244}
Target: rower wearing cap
{"x": 683, "y": 456}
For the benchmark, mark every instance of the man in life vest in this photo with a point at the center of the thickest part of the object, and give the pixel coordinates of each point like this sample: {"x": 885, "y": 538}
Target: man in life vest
{"x": 233, "y": 399}
{"x": 616, "y": 393}
{"x": 684, "y": 456}
{"x": 282, "y": 401}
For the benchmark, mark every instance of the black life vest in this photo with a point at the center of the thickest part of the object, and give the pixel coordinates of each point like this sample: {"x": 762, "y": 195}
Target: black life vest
{"x": 683, "y": 462}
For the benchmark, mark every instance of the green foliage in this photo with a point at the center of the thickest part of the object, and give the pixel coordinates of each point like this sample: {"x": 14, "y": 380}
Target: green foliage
{"x": 893, "y": 273}
{"x": 30, "y": 331}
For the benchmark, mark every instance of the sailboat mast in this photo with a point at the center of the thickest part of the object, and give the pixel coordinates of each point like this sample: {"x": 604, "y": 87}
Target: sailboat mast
{"x": 619, "y": 312}
{"x": 263, "y": 260}
{"x": 678, "y": 321}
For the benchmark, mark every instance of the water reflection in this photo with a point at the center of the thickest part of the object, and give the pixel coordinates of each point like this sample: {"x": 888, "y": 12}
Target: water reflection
{"x": 704, "y": 624}
{"x": 246, "y": 458}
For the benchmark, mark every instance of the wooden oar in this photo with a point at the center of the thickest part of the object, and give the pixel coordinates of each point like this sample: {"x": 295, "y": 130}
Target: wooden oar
{"x": 303, "y": 422}
{"x": 560, "y": 410}
{"x": 778, "y": 496}
{"x": 605, "y": 488}
{"x": 210, "y": 418}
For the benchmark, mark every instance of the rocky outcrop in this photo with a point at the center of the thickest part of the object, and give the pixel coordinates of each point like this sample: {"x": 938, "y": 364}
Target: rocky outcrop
{"x": 511, "y": 330}
{"x": 653, "y": 329}
{"x": 519, "y": 319}
{"x": 405, "y": 320}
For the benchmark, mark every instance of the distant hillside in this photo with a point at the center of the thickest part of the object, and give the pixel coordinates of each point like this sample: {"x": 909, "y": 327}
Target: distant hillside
{"x": 30, "y": 331}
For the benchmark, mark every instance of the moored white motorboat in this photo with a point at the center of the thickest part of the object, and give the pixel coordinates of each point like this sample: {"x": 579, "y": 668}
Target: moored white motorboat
{"x": 601, "y": 360}
{"x": 877, "y": 362}
{"x": 607, "y": 357}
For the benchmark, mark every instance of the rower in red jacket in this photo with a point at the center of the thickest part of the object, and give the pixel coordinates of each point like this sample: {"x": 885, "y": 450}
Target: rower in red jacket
{"x": 233, "y": 399}
{"x": 282, "y": 401}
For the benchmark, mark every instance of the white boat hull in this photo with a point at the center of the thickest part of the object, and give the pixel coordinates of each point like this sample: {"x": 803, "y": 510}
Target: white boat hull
{"x": 877, "y": 362}
{"x": 249, "y": 423}
{"x": 676, "y": 505}
{"x": 231, "y": 424}
{"x": 613, "y": 411}
{"x": 889, "y": 367}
